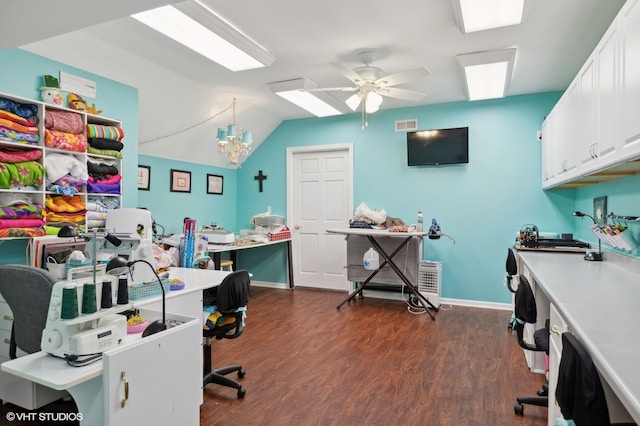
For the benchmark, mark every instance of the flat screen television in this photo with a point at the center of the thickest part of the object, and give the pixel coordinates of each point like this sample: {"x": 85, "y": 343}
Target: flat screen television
{"x": 439, "y": 146}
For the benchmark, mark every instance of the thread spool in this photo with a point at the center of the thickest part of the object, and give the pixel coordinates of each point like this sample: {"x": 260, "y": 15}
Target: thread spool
{"x": 106, "y": 301}
{"x": 89, "y": 298}
{"x": 69, "y": 302}
{"x": 123, "y": 291}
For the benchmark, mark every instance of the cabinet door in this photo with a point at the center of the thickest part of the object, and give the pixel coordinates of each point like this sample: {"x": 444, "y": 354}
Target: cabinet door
{"x": 163, "y": 375}
{"x": 551, "y": 160}
{"x": 587, "y": 113}
{"x": 570, "y": 132}
{"x": 607, "y": 90}
{"x": 630, "y": 28}
{"x": 557, "y": 326}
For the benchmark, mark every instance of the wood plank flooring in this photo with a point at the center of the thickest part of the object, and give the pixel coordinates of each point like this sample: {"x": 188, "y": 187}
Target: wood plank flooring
{"x": 370, "y": 363}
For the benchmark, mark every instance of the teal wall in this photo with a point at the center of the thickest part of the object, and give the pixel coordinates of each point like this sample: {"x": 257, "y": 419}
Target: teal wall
{"x": 623, "y": 198}
{"x": 481, "y": 205}
{"x": 21, "y": 75}
{"x": 170, "y": 208}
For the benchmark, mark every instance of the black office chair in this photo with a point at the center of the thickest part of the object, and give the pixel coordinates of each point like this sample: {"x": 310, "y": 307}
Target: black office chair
{"x": 27, "y": 291}
{"x": 511, "y": 272}
{"x": 526, "y": 312}
{"x": 231, "y": 295}
{"x": 579, "y": 391}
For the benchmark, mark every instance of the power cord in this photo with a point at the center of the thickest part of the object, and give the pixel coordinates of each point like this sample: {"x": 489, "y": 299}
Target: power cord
{"x": 82, "y": 360}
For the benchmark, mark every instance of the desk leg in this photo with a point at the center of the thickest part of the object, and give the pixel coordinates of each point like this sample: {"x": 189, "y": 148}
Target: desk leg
{"x": 290, "y": 265}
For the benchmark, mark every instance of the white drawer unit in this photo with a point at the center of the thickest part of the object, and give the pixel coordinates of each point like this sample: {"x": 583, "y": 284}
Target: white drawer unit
{"x": 557, "y": 326}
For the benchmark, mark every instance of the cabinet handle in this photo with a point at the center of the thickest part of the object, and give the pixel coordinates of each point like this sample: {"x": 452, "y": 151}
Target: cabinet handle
{"x": 8, "y": 318}
{"x": 123, "y": 378}
{"x": 556, "y": 329}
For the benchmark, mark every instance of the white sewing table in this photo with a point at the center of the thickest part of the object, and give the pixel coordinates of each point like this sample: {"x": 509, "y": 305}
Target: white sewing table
{"x": 215, "y": 250}
{"x": 163, "y": 371}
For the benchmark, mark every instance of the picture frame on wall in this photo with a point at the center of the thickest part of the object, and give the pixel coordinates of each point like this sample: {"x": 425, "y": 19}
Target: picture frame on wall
{"x": 215, "y": 184}
{"x": 144, "y": 177}
{"x": 180, "y": 181}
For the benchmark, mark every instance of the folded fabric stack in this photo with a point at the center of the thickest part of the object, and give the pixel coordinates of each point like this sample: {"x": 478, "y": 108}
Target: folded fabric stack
{"x": 97, "y": 208}
{"x": 19, "y": 122}
{"x": 64, "y": 130}
{"x": 65, "y": 174}
{"x": 104, "y": 177}
{"x": 105, "y": 140}
{"x": 65, "y": 210}
{"x": 20, "y": 216}
{"x": 20, "y": 169}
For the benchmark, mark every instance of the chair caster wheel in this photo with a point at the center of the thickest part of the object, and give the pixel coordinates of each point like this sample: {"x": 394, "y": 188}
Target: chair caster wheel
{"x": 518, "y": 408}
{"x": 241, "y": 373}
{"x": 241, "y": 393}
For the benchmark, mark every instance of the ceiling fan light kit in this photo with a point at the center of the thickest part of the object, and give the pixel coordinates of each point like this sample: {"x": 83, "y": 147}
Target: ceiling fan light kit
{"x": 371, "y": 85}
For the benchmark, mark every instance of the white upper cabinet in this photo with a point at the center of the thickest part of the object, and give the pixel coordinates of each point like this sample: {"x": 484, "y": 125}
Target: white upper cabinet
{"x": 597, "y": 132}
{"x": 630, "y": 28}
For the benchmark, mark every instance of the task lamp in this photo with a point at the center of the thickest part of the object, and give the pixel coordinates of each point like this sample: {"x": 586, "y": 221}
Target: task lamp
{"x": 593, "y": 256}
{"x": 119, "y": 266}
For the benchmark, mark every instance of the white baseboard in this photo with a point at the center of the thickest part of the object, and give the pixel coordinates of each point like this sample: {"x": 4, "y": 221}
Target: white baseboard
{"x": 391, "y": 295}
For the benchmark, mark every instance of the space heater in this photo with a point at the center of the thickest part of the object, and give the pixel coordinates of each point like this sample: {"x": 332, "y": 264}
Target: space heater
{"x": 430, "y": 280}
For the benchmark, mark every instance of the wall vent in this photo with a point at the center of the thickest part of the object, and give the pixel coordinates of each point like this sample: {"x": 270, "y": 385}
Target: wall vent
{"x": 407, "y": 125}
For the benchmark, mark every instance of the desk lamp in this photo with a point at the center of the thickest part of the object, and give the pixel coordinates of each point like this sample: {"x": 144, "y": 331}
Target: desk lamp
{"x": 118, "y": 266}
{"x": 593, "y": 256}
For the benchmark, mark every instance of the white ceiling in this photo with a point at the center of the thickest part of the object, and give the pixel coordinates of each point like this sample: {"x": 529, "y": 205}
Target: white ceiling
{"x": 305, "y": 37}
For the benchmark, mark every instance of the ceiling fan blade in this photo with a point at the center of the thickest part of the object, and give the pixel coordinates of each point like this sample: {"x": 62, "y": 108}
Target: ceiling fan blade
{"x": 347, "y": 72}
{"x": 403, "y": 77}
{"x": 404, "y": 94}
{"x": 332, "y": 89}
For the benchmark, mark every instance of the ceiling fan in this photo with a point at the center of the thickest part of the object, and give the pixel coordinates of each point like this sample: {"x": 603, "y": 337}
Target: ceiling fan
{"x": 371, "y": 84}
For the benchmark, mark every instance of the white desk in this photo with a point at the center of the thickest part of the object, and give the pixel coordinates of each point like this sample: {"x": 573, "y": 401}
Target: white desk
{"x": 599, "y": 302}
{"x": 174, "y": 357}
{"x": 217, "y": 249}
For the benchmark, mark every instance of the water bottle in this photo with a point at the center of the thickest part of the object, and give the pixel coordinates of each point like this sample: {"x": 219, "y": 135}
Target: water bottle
{"x": 419, "y": 224}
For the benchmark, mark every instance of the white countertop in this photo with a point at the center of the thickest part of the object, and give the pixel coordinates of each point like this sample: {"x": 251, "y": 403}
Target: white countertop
{"x": 600, "y": 302}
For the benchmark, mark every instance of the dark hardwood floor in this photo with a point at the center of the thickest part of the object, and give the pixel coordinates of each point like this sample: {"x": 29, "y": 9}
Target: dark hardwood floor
{"x": 372, "y": 362}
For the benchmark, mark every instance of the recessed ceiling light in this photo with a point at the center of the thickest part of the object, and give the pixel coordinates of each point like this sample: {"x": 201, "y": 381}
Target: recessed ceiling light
{"x": 297, "y": 92}
{"x": 477, "y": 15}
{"x": 488, "y": 73}
{"x": 202, "y": 30}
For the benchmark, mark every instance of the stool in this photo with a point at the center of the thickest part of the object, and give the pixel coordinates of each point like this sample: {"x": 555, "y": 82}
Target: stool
{"x": 226, "y": 264}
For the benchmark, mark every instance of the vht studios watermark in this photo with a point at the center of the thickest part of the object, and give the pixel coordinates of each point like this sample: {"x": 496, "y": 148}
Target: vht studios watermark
{"x": 43, "y": 417}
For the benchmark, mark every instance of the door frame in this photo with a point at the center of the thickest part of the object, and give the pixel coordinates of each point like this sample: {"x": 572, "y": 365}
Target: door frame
{"x": 291, "y": 152}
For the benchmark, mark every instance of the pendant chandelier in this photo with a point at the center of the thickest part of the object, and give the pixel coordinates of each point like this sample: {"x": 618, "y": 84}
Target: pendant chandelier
{"x": 234, "y": 142}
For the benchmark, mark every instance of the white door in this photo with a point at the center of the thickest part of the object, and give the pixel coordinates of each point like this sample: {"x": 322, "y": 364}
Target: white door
{"x": 319, "y": 197}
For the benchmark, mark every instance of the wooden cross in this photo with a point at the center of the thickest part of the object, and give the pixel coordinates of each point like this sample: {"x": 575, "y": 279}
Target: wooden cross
{"x": 260, "y": 178}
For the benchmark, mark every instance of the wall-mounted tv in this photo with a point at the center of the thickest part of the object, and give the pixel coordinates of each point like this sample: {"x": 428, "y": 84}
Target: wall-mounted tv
{"x": 440, "y": 146}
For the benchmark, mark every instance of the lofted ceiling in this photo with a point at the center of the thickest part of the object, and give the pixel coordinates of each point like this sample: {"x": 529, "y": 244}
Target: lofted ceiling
{"x": 305, "y": 37}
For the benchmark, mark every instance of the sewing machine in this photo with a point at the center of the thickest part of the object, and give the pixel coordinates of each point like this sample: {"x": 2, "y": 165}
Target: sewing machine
{"x": 68, "y": 331}
{"x": 84, "y": 334}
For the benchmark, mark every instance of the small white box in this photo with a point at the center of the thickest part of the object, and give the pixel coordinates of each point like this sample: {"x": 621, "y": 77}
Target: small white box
{"x": 220, "y": 237}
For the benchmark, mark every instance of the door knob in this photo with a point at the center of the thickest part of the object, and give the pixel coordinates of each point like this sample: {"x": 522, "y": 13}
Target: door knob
{"x": 297, "y": 227}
